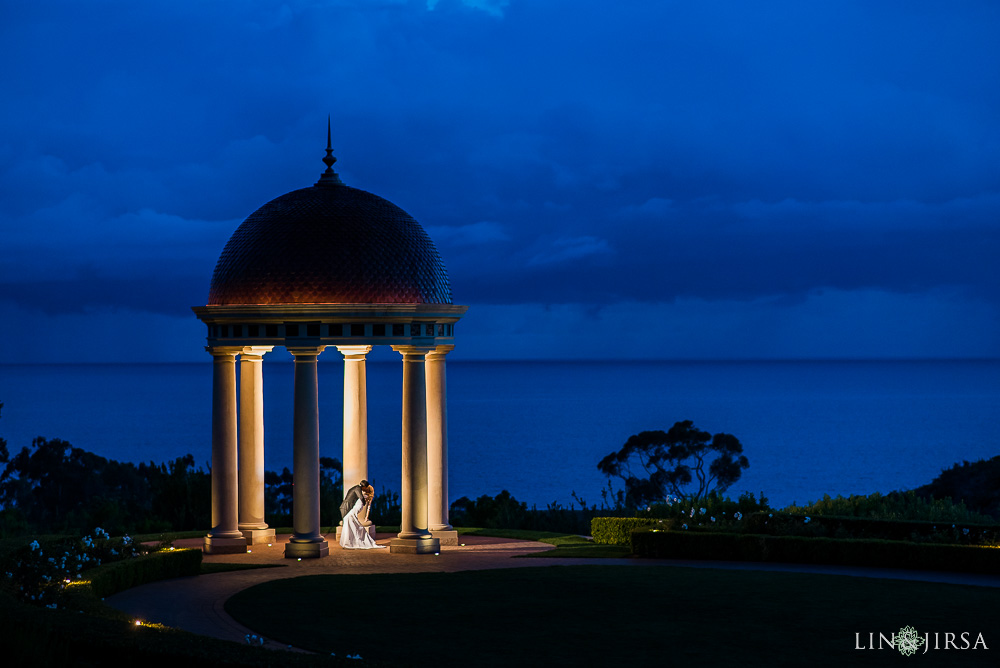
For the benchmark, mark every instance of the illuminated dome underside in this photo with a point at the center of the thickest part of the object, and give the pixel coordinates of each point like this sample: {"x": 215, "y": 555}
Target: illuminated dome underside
{"x": 329, "y": 244}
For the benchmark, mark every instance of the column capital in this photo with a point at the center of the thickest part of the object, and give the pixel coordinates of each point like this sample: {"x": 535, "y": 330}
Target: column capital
{"x": 309, "y": 351}
{"x": 439, "y": 352}
{"x": 224, "y": 351}
{"x": 354, "y": 352}
{"x": 254, "y": 351}
{"x": 410, "y": 352}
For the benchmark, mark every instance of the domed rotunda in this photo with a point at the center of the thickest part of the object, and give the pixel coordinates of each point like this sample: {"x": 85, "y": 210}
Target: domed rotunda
{"x": 320, "y": 267}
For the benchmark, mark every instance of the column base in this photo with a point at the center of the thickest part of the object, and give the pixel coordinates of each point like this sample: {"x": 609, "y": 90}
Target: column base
{"x": 307, "y": 550}
{"x": 257, "y": 536}
{"x": 446, "y": 537}
{"x": 214, "y": 545}
{"x": 414, "y": 546}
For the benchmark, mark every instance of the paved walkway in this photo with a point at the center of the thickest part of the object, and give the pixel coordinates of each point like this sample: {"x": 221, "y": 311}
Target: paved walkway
{"x": 196, "y": 604}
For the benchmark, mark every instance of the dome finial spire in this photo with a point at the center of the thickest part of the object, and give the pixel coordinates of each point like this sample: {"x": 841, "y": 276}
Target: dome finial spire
{"x": 329, "y": 176}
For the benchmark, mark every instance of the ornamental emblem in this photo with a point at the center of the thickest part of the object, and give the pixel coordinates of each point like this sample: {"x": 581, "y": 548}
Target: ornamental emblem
{"x": 908, "y": 641}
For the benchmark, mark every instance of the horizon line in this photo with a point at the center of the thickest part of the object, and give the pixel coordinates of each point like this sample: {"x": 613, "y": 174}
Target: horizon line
{"x": 582, "y": 360}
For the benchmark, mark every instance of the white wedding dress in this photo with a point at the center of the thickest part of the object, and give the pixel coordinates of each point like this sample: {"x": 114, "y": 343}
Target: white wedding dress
{"x": 353, "y": 536}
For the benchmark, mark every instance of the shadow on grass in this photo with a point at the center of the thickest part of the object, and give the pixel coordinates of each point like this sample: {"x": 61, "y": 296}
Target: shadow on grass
{"x": 218, "y": 567}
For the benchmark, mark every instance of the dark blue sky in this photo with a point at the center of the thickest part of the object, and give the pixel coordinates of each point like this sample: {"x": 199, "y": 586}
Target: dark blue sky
{"x": 648, "y": 179}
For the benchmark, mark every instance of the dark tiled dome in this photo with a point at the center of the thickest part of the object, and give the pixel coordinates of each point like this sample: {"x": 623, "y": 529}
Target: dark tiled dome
{"x": 329, "y": 244}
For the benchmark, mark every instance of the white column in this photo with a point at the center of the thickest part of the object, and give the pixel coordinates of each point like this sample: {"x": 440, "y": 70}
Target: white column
{"x": 413, "y": 534}
{"x": 251, "y": 446}
{"x": 355, "y": 415}
{"x": 306, "y": 540}
{"x": 225, "y": 536}
{"x": 437, "y": 442}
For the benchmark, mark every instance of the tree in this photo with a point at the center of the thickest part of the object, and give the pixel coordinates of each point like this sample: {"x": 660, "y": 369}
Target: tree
{"x": 672, "y": 461}
{"x": 56, "y": 487}
{"x": 331, "y": 490}
{"x": 4, "y": 454}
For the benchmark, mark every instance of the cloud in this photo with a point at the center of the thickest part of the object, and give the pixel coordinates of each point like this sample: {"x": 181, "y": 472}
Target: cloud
{"x": 643, "y": 153}
{"x": 830, "y": 324}
{"x": 569, "y": 249}
{"x": 494, "y": 8}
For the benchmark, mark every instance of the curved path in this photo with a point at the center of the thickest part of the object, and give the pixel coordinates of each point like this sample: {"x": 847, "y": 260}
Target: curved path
{"x": 196, "y": 604}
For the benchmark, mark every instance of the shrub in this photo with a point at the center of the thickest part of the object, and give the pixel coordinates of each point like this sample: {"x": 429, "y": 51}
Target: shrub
{"x": 714, "y": 512}
{"x": 505, "y": 512}
{"x": 894, "y": 506}
{"x": 798, "y": 549}
{"x": 785, "y": 524}
{"x": 977, "y": 485}
{"x": 386, "y": 508}
{"x": 39, "y": 571}
{"x": 112, "y": 578}
{"x": 618, "y": 530}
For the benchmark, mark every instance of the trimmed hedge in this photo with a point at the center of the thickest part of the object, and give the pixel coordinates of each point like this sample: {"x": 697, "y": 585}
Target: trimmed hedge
{"x": 649, "y": 542}
{"x": 858, "y": 527}
{"x": 112, "y": 578}
{"x": 86, "y": 632}
{"x": 617, "y": 530}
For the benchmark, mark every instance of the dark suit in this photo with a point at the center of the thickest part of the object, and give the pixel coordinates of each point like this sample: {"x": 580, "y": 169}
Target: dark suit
{"x": 353, "y": 494}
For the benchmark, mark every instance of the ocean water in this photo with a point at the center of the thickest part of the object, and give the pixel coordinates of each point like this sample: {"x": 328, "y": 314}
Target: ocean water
{"x": 538, "y": 429}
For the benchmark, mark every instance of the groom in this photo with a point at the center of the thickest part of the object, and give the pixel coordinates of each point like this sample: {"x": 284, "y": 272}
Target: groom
{"x": 353, "y": 494}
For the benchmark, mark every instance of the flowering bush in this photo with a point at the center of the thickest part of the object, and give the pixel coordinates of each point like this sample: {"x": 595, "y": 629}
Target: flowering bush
{"x": 40, "y": 573}
{"x": 720, "y": 513}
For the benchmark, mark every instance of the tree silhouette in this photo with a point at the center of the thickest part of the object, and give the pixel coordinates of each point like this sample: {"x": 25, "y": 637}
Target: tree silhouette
{"x": 672, "y": 461}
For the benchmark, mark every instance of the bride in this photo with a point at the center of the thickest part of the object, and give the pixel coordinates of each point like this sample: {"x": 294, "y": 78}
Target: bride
{"x": 354, "y": 534}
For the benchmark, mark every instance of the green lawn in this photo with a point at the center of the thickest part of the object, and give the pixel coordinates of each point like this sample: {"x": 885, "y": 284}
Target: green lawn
{"x": 621, "y": 615}
{"x": 567, "y": 545}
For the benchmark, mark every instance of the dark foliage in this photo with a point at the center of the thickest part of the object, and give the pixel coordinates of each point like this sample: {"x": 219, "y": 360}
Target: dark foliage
{"x": 386, "y": 508}
{"x": 976, "y": 484}
{"x": 668, "y": 462}
{"x": 55, "y": 487}
{"x": 798, "y": 549}
{"x": 500, "y": 512}
{"x": 505, "y": 512}
{"x": 178, "y": 493}
{"x": 279, "y": 496}
{"x": 914, "y": 531}
{"x": 4, "y": 454}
